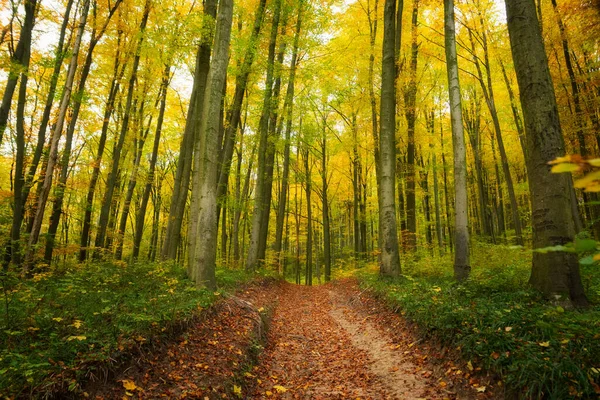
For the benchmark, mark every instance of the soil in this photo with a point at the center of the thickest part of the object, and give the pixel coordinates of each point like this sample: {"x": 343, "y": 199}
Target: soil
{"x": 285, "y": 341}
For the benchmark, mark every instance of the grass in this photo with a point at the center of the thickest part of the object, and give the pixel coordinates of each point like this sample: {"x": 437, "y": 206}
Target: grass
{"x": 72, "y": 319}
{"x": 538, "y": 350}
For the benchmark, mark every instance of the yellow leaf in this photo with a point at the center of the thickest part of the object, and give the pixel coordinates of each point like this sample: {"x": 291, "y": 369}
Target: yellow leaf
{"x": 57, "y": 319}
{"x": 587, "y": 180}
{"x": 436, "y": 289}
{"x": 470, "y": 366}
{"x": 508, "y": 328}
{"x": 77, "y": 323}
{"x": 595, "y": 162}
{"x": 597, "y": 257}
{"x": 268, "y": 393}
{"x": 544, "y": 344}
{"x": 80, "y": 338}
{"x": 129, "y": 385}
{"x": 566, "y": 167}
{"x": 280, "y": 389}
{"x": 481, "y": 389}
{"x": 560, "y": 160}
{"x": 237, "y": 390}
{"x": 261, "y": 309}
{"x": 565, "y": 341}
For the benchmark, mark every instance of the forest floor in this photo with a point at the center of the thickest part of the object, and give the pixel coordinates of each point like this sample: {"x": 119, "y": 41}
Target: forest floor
{"x": 283, "y": 341}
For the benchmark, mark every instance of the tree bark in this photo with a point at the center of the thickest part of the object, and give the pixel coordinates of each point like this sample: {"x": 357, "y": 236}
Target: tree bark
{"x": 19, "y": 62}
{"x": 388, "y": 240}
{"x": 553, "y": 273}
{"x": 205, "y": 252}
{"x": 462, "y": 267}
{"x": 172, "y": 239}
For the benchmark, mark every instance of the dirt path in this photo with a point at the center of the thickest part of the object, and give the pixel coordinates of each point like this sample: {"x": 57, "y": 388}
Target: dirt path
{"x": 323, "y": 342}
{"x": 320, "y": 347}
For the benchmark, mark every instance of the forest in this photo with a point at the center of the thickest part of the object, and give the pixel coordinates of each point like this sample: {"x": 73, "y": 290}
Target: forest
{"x": 300, "y": 199}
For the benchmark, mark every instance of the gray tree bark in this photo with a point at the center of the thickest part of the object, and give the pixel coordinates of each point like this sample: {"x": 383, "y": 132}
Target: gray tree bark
{"x": 462, "y": 267}
{"x": 388, "y": 240}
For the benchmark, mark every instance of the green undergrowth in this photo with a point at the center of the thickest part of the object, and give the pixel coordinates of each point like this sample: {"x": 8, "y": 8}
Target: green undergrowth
{"x": 72, "y": 319}
{"x": 538, "y": 350}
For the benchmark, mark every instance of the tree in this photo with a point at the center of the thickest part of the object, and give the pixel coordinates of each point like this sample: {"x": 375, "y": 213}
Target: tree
{"x": 206, "y": 240}
{"x": 553, "y": 273}
{"x": 388, "y": 240}
{"x": 462, "y": 267}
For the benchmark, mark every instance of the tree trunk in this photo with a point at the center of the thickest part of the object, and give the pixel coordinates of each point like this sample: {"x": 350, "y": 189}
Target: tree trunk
{"x": 108, "y": 112}
{"x": 553, "y": 273}
{"x": 53, "y": 151}
{"x": 410, "y": 101}
{"x": 309, "y": 230}
{"x": 140, "y": 217}
{"x": 462, "y": 267}
{"x": 107, "y": 201}
{"x": 388, "y": 240}
{"x": 205, "y": 252}
{"x": 62, "y": 183}
{"x": 254, "y": 259}
{"x": 19, "y": 63}
{"x": 172, "y": 239}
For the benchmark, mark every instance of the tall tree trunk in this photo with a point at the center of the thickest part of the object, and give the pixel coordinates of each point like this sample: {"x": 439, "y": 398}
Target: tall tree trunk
{"x": 388, "y": 240}
{"x": 553, "y": 273}
{"x": 462, "y": 267}
{"x": 53, "y": 151}
{"x": 205, "y": 252}
{"x": 133, "y": 177}
{"x": 118, "y": 73}
{"x": 19, "y": 63}
{"x": 62, "y": 183}
{"x": 253, "y": 259}
{"x": 410, "y": 101}
{"x": 309, "y": 230}
{"x": 289, "y": 110}
{"x": 60, "y": 52}
{"x": 107, "y": 201}
{"x": 325, "y": 208}
{"x": 172, "y": 239}
{"x": 140, "y": 217}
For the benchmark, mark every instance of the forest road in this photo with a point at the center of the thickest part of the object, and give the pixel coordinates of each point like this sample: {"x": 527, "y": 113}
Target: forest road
{"x": 329, "y": 341}
{"x": 323, "y": 343}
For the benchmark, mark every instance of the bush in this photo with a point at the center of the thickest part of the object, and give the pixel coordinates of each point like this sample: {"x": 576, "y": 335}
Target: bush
{"x": 88, "y": 314}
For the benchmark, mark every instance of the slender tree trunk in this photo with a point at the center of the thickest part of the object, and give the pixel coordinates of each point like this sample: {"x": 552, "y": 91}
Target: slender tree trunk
{"x": 77, "y": 101}
{"x": 462, "y": 267}
{"x": 253, "y": 259}
{"x": 19, "y": 62}
{"x": 488, "y": 93}
{"x": 108, "y": 112}
{"x": 410, "y": 101}
{"x": 289, "y": 109}
{"x": 53, "y": 152}
{"x": 309, "y": 228}
{"x": 107, "y": 201}
{"x": 140, "y": 217}
{"x": 61, "y": 52}
{"x": 553, "y": 273}
{"x": 388, "y": 240}
{"x": 325, "y": 208}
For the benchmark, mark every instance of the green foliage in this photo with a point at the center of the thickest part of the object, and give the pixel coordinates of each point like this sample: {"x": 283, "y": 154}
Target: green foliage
{"x": 76, "y": 318}
{"x": 537, "y": 349}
